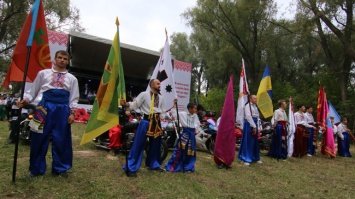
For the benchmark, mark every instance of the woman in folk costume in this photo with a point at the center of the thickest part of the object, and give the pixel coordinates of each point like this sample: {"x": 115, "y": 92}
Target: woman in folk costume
{"x": 184, "y": 155}
{"x": 279, "y": 139}
{"x": 343, "y": 139}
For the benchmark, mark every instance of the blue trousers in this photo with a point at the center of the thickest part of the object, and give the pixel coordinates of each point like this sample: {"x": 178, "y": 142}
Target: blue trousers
{"x": 277, "y": 150}
{"x": 310, "y": 146}
{"x": 344, "y": 146}
{"x": 135, "y": 155}
{"x": 249, "y": 147}
{"x": 56, "y": 124}
{"x": 184, "y": 159}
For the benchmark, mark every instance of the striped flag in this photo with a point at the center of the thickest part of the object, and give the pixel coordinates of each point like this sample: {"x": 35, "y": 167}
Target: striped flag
{"x": 291, "y": 128}
{"x": 264, "y": 95}
{"x": 243, "y": 96}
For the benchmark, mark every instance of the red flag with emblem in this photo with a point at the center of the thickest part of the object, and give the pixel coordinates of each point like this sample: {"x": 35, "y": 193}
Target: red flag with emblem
{"x": 33, "y": 37}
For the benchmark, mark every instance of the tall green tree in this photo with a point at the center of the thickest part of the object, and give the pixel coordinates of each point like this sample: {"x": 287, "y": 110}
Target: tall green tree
{"x": 241, "y": 23}
{"x": 60, "y": 16}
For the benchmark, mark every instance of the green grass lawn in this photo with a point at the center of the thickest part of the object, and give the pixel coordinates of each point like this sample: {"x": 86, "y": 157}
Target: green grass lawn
{"x": 98, "y": 174}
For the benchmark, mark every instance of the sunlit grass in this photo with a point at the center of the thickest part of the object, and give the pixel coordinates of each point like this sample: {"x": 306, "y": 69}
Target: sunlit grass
{"x": 98, "y": 174}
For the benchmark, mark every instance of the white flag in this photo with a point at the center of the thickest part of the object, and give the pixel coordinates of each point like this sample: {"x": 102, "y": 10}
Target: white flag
{"x": 164, "y": 72}
{"x": 243, "y": 96}
{"x": 291, "y": 129}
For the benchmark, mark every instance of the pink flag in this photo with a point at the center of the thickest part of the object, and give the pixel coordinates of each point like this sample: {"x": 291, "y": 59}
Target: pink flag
{"x": 224, "y": 150}
{"x": 328, "y": 147}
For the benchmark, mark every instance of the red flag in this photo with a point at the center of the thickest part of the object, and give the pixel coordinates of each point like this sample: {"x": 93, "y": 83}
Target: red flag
{"x": 224, "y": 150}
{"x": 320, "y": 105}
{"x": 33, "y": 35}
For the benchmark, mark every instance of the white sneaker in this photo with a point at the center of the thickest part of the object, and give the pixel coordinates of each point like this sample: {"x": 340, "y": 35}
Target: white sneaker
{"x": 259, "y": 162}
{"x": 246, "y": 164}
{"x": 309, "y": 155}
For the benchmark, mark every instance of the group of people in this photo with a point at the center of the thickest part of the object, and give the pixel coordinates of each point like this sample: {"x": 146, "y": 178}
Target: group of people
{"x": 58, "y": 93}
{"x": 304, "y": 141}
{"x": 6, "y": 102}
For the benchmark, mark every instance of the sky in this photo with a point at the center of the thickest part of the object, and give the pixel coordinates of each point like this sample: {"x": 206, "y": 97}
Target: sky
{"x": 142, "y": 22}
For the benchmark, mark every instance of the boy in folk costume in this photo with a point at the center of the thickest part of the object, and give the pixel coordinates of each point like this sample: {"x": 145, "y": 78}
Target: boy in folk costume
{"x": 343, "y": 139}
{"x": 312, "y": 139}
{"x": 184, "y": 155}
{"x": 279, "y": 139}
{"x": 301, "y": 134}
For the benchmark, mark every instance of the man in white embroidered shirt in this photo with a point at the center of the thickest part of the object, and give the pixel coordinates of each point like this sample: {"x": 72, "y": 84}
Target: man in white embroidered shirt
{"x": 151, "y": 104}
{"x": 249, "y": 147}
{"x": 57, "y": 92}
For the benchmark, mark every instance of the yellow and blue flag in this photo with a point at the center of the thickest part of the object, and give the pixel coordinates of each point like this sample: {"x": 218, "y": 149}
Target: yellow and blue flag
{"x": 264, "y": 96}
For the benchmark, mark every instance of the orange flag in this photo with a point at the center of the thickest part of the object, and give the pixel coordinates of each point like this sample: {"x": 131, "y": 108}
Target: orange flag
{"x": 33, "y": 36}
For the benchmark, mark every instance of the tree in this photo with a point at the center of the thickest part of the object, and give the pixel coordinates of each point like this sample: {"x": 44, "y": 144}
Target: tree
{"x": 334, "y": 22}
{"x": 240, "y": 23}
{"x": 60, "y": 16}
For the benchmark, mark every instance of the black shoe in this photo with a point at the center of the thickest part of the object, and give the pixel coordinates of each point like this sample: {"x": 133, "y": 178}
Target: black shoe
{"x": 10, "y": 142}
{"x": 30, "y": 175}
{"x": 159, "y": 169}
{"x": 132, "y": 174}
{"x": 63, "y": 174}
{"x": 220, "y": 166}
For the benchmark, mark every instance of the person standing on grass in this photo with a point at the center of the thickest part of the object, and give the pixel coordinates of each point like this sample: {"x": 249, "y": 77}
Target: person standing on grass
{"x": 312, "y": 139}
{"x": 184, "y": 155}
{"x": 301, "y": 134}
{"x": 278, "y": 147}
{"x": 151, "y": 104}
{"x": 59, "y": 93}
{"x": 343, "y": 138}
{"x": 249, "y": 147}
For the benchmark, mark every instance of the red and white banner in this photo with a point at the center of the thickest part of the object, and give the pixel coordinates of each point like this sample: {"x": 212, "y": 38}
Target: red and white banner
{"x": 182, "y": 77}
{"x": 57, "y": 41}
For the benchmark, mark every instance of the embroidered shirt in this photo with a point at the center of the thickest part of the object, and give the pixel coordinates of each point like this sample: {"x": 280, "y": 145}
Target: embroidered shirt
{"x": 142, "y": 102}
{"x": 280, "y": 115}
{"x": 48, "y": 79}
{"x": 301, "y": 119}
{"x": 186, "y": 119}
{"x": 249, "y": 115}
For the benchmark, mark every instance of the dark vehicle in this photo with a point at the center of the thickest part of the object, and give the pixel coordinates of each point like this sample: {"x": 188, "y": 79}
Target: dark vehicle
{"x": 22, "y": 125}
{"x": 127, "y": 138}
{"x": 265, "y": 137}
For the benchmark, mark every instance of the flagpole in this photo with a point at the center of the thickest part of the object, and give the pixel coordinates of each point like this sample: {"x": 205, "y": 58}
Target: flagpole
{"x": 122, "y": 98}
{"x": 17, "y": 134}
{"x": 178, "y": 128}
